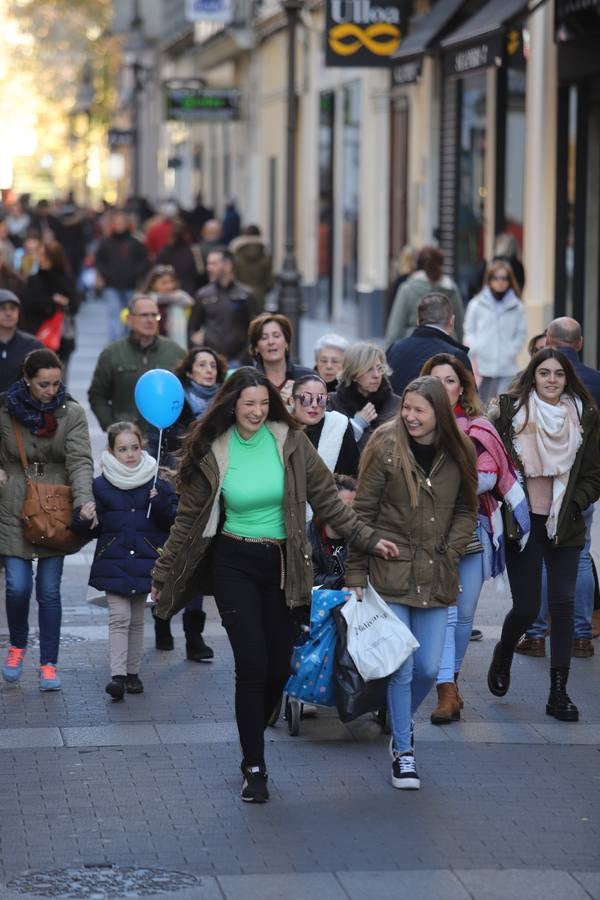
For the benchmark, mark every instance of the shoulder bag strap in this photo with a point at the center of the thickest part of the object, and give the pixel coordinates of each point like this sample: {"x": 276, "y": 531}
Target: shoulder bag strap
{"x": 20, "y": 444}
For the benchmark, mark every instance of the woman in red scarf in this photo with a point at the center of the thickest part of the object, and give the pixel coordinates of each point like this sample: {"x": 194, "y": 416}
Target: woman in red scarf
{"x": 484, "y": 557}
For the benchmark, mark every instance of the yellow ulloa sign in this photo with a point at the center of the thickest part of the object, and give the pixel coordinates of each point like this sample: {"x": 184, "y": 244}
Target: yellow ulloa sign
{"x": 364, "y": 32}
{"x": 381, "y": 39}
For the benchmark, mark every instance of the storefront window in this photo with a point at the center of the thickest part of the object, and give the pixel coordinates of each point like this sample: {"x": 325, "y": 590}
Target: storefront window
{"x": 325, "y": 227}
{"x": 514, "y": 166}
{"x": 350, "y": 188}
{"x": 472, "y": 191}
{"x": 571, "y": 197}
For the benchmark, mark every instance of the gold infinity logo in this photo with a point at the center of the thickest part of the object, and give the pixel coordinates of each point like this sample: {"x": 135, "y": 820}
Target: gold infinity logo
{"x": 368, "y": 37}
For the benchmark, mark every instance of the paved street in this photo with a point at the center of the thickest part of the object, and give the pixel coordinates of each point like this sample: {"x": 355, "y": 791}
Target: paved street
{"x": 141, "y": 798}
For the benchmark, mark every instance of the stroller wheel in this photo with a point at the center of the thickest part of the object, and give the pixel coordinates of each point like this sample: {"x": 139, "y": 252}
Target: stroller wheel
{"x": 293, "y": 716}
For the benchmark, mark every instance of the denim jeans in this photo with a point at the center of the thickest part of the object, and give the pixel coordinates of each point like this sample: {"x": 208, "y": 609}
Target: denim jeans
{"x": 411, "y": 683}
{"x": 460, "y": 617}
{"x": 19, "y": 585}
{"x": 584, "y": 590}
{"x": 116, "y": 301}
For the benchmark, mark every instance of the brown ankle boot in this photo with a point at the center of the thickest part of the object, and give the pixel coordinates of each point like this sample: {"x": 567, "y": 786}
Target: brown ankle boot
{"x": 461, "y": 702}
{"x": 448, "y": 708}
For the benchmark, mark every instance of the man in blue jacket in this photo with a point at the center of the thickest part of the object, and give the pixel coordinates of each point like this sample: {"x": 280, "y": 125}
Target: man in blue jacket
{"x": 565, "y": 334}
{"x": 432, "y": 335}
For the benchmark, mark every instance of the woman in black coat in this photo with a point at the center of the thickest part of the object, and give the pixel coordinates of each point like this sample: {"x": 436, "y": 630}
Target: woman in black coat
{"x": 50, "y": 290}
{"x": 365, "y": 394}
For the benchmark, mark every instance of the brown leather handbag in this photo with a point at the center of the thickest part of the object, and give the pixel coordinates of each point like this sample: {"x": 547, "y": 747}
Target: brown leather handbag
{"x": 48, "y": 510}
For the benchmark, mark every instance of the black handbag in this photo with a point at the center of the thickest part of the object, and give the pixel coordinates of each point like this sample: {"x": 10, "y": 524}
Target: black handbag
{"x": 512, "y": 532}
{"x": 353, "y": 695}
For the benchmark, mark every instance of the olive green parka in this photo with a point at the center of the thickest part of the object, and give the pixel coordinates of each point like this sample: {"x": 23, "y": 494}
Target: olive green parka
{"x": 431, "y": 538}
{"x": 185, "y": 565}
{"x": 66, "y": 458}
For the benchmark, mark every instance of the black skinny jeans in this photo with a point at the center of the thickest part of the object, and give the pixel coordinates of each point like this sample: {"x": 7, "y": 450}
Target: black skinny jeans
{"x": 260, "y": 629}
{"x": 525, "y": 578}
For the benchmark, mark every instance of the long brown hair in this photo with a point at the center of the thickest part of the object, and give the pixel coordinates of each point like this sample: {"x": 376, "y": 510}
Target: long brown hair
{"x": 447, "y": 435}
{"x": 521, "y": 389}
{"x": 221, "y": 416}
{"x": 469, "y": 400}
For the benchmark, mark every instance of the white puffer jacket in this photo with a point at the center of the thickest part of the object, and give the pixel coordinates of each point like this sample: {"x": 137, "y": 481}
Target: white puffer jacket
{"x": 495, "y": 332}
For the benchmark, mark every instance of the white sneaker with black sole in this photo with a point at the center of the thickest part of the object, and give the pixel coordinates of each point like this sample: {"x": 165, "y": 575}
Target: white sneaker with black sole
{"x": 254, "y": 785}
{"x": 404, "y": 772}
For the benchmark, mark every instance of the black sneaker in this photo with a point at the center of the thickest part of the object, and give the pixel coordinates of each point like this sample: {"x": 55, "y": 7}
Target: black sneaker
{"x": 116, "y": 687}
{"x": 133, "y": 684}
{"x": 476, "y": 635}
{"x": 254, "y": 786}
{"x": 404, "y": 772}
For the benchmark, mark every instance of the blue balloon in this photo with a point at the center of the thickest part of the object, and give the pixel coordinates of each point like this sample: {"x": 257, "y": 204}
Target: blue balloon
{"x": 159, "y": 397}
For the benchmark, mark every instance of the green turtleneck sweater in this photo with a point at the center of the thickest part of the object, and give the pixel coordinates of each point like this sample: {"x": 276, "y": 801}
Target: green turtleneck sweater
{"x": 253, "y": 487}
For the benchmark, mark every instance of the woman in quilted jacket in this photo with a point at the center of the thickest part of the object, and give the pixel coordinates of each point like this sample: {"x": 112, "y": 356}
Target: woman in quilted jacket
{"x": 129, "y": 542}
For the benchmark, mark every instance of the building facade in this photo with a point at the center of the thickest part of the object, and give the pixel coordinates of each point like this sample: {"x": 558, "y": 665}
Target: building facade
{"x": 486, "y": 121}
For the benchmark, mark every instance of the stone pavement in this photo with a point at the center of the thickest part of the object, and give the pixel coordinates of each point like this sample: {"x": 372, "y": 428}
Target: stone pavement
{"x": 141, "y": 798}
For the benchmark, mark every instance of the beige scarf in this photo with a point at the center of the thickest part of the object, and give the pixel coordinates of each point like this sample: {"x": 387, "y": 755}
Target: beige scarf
{"x": 548, "y": 443}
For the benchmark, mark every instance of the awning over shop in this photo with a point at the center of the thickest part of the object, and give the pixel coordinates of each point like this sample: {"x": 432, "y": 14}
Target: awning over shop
{"x": 425, "y": 30}
{"x": 479, "y": 42}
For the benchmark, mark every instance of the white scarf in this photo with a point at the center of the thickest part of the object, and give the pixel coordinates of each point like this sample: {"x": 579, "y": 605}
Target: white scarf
{"x": 548, "y": 443}
{"x": 125, "y": 477}
{"x": 330, "y": 444}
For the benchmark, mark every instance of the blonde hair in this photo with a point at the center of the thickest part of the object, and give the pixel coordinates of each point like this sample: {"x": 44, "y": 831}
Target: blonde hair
{"x": 358, "y": 359}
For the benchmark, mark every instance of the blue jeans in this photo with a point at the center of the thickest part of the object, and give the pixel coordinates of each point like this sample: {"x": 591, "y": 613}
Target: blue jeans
{"x": 19, "y": 585}
{"x": 584, "y": 590}
{"x": 411, "y": 683}
{"x": 460, "y": 617}
{"x": 116, "y": 301}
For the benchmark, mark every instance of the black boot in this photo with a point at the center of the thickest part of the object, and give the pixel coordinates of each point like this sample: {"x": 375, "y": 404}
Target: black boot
{"x": 162, "y": 634}
{"x": 116, "y": 687}
{"x": 193, "y": 626}
{"x": 559, "y": 703}
{"x": 499, "y": 672}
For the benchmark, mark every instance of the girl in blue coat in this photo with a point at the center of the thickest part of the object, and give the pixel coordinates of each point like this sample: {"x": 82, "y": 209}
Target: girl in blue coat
{"x": 129, "y": 542}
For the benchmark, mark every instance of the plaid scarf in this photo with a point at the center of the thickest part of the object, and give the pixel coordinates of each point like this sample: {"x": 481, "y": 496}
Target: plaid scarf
{"x": 492, "y": 457}
{"x": 37, "y": 417}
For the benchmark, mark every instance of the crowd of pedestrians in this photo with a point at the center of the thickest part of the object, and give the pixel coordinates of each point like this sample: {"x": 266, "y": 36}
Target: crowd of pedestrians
{"x": 423, "y": 470}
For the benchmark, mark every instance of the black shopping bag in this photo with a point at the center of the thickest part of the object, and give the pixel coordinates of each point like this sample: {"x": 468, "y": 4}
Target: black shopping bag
{"x": 353, "y": 695}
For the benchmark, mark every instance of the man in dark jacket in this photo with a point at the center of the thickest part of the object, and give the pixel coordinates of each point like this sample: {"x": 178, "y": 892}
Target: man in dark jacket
{"x": 121, "y": 261}
{"x": 120, "y": 365}
{"x": 565, "y": 334}
{"x": 432, "y": 335}
{"x": 14, "y": 344}
{"x": 223, "y": 310}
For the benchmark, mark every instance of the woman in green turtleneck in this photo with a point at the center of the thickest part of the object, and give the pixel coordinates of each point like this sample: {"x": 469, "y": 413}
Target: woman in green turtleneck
{"x": 246, "y": 474}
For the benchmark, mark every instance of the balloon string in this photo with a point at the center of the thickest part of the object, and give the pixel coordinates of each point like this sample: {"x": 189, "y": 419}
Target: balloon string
{"x": 156, "y": 473}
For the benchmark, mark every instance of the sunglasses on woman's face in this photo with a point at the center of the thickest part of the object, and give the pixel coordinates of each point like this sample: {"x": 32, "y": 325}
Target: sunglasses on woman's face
{"x": 307, "y": 400}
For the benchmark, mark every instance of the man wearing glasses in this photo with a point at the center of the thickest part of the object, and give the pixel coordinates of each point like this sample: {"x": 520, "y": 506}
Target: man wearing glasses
{"x": 119, "y": 366}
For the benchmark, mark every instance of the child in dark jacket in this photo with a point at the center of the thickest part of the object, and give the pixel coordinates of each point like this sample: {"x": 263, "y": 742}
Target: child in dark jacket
{"x": 129, "y": 541}
{"x": 329, "y": 551}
